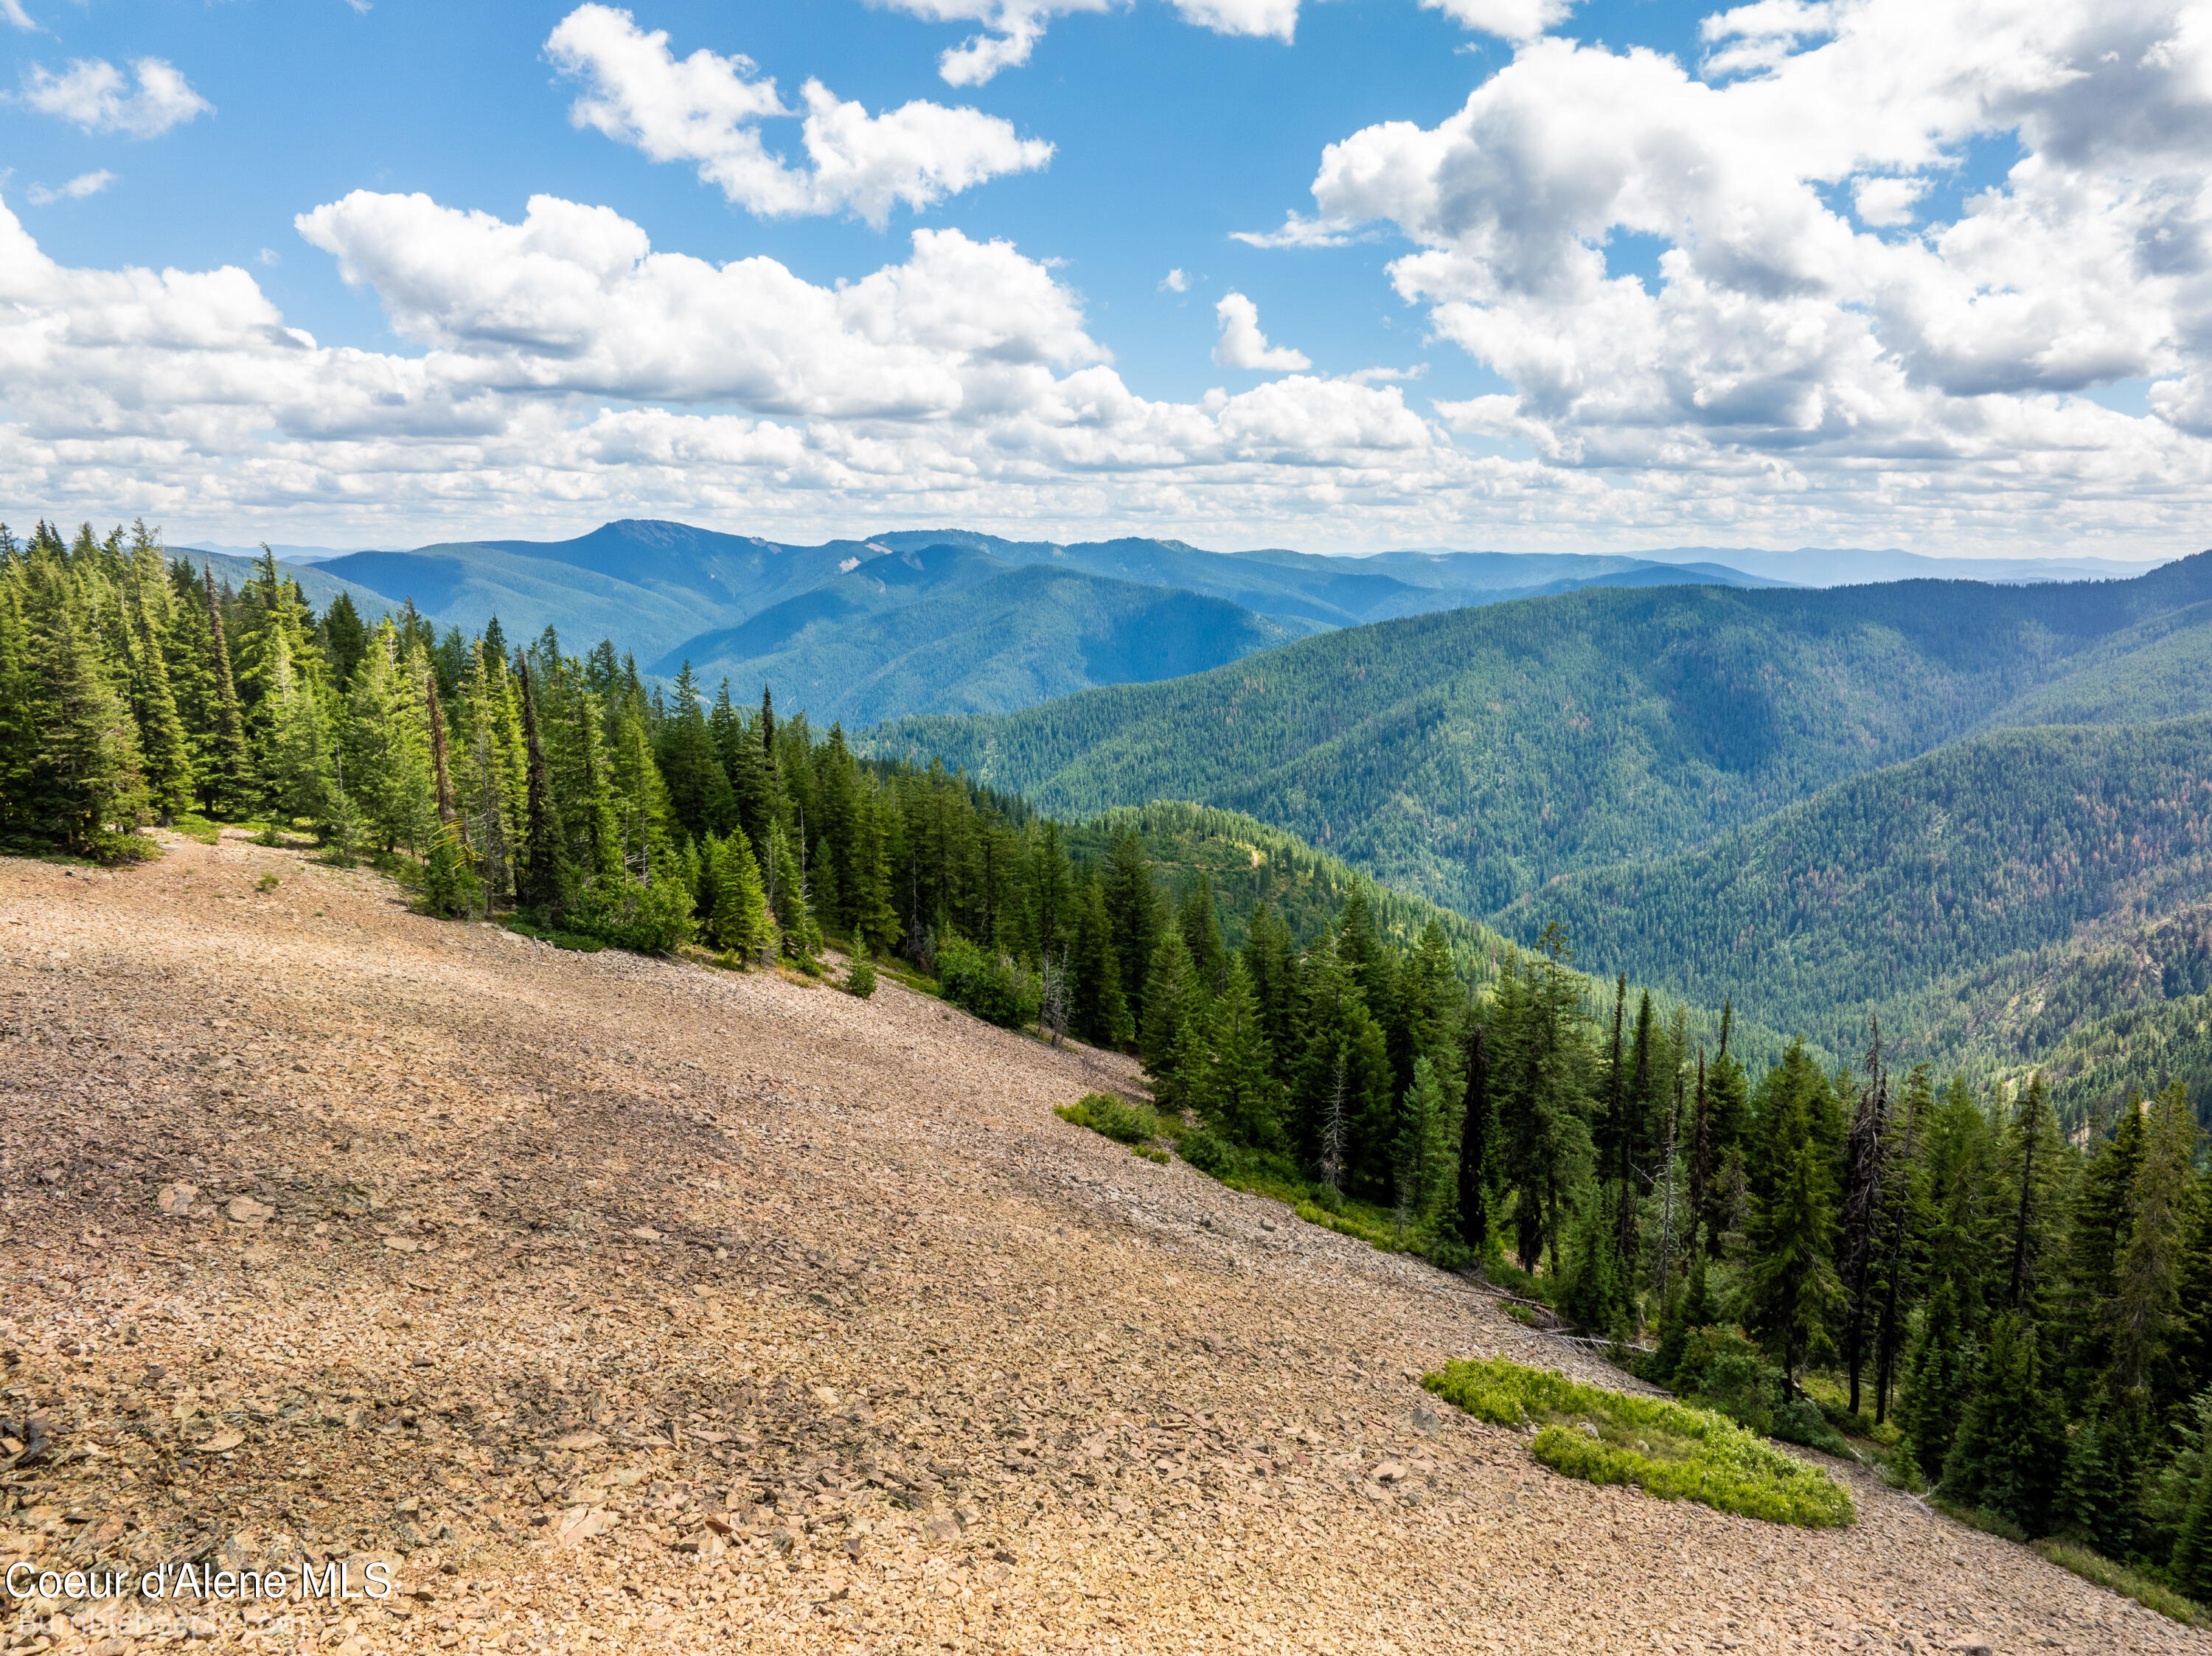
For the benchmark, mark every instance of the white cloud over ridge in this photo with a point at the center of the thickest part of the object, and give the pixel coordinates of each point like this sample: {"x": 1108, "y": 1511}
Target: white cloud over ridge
{"x": 706, "y": 109}
{"x": 93, "y": 95}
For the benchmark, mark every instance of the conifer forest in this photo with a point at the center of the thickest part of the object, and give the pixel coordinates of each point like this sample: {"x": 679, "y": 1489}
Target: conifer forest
{"x": 2012, "y": 1313}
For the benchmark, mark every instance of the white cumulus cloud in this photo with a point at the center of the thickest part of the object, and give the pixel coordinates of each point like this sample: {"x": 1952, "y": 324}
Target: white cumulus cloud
{"x": 85, "y": 183}
{"x": 1174, "y": 281}
{"x": 1242, "y": 345}
{"x": 706, "y": 109}
{"x": 1008, "y": 31}
{"x": 1884, "y": 203}
{"x": 1781, "y": 345}
{"x": 93, "y": 95}
{"x": 12, "y": 12}
{"x": 1511, "y": 20}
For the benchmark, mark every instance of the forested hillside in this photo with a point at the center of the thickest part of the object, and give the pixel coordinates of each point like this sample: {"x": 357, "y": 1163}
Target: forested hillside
{"x": 1904, "y": 892}
{"x": 866, "y": 647}
{"x": 1472, "y": 756}
{"x": 2029, "y": 1302}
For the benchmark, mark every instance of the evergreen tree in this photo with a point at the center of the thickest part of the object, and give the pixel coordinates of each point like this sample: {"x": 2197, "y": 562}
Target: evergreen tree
{"x": 2011, "y": 1448}
{"x": 1937, "y": 1370}
{"x": 1133, "y": 909}
{"x": 1098, "y": 1013}
{"x": 1789, "y": 1276}
{"x": 2158, "y": 1220}
{"x": 738, "y": 921}
{"x": 164, "y": 748}
{"x": 1202, "y": 932}
{"x": 1237, "y": 1094}
{"x": 228, "y": 771}
{"x": 2035, "y": 1175}
{"x": 1419, "y": 1154}
{"x": 1173, "y": 998}
{"x": 2091, "y": 1499}
{"x": 344, "y": 638}
{"x": 542, "y": 880}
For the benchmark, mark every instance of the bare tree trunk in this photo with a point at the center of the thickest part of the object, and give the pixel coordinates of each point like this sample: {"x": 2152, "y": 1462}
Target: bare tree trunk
{"x": 1667, "y": 1213}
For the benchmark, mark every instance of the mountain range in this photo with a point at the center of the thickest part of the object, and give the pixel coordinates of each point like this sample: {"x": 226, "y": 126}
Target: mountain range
{"x": 930, "y": 621}
{"x": 1982, "y": 813}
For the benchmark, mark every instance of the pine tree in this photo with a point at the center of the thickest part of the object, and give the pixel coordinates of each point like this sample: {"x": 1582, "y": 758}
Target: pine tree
{"x": 2190, "y": 1567}
{"x": 2091, "y": 1499}
{"x": 1237, "y": 1094}
{"x": 1201, "y": 933}
{"x": 344, "y": 638}
{"x": 229, "y": 771}
{"x": 2158, "y": 1215}
{"x": 738, "y": 922}
{"x": 83, "y": 785}
{"x": 1172, "y": 997}
{"x": 164, "y": 748}
{"x": 1864, "y": 1168}
{"x": 1790, "y": 1278}
{"x": 1098, "y": 1015}
{"x": 787, "y": 893}
{"x": 1933, "y": 1402}
{"x": 296, "y": 774}
{"x": 542, "y": 880}
{"x": 1419, "y": 1154}
{"x": 1133, "y": 906}
{"x": 2011, "y": 1446}
{"x": 2035, "y": 1168}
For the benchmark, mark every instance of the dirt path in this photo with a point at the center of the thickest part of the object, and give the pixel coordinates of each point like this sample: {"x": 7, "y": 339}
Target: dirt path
{"x": 626, "y": 1305}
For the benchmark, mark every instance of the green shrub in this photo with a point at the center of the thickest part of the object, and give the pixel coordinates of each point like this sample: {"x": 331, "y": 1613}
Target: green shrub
{"x": 860, "y": 976}
{"x": 985, "y": 984}
{"x": 1721, "y": 1369}
{"x": 448, "y": 887}
{"x": 1449, "y": 1254}
{"x": 1666, "y": 1449}
{"x": 1800, "y": 1420}
{"x": 1206, "y": 1153}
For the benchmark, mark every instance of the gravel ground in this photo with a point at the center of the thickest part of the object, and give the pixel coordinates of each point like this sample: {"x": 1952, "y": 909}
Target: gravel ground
{"x": 615, "y": 1304}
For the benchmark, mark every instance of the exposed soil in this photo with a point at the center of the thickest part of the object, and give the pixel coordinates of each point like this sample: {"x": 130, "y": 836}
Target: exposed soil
{"x": 623, "y": 1304}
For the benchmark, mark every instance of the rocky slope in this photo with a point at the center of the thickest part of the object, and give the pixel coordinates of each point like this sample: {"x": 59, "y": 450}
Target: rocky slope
{"x": 619, "y": 1304}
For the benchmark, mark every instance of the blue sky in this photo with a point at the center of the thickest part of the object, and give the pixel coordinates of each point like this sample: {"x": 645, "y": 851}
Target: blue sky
{"x": 1551, "y": 403}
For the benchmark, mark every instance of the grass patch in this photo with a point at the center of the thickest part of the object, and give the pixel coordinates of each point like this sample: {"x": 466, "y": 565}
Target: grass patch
{"x": 193, "y": 826}
{"x": 1665, "y": 1448}
{"x": 2134, "y": 1583}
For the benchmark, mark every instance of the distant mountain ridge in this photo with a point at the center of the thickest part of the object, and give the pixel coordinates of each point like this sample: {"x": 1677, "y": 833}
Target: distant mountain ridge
{"x": 1471, "y": 756}
{"x": 856, "y": 629}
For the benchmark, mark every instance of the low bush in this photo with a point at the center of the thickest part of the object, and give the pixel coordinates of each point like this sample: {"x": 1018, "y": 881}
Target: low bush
{"x": 985, "y": 983}
{"x": 1665, "y": 1448}
{"x": 1449, "y": 1254}
{"x": 1134, "y": 1125}
{"x": 1722, "y": 1370}
{"x": 1207, "y": 1153}
{"x": 861, "y": 977}
{"x": 1800, "y": 1420}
